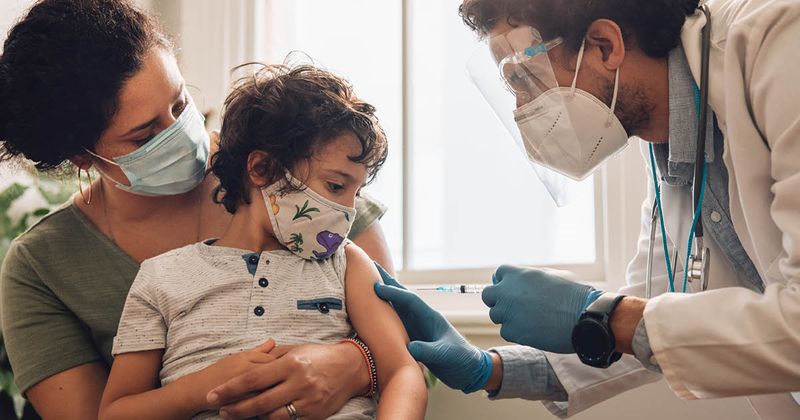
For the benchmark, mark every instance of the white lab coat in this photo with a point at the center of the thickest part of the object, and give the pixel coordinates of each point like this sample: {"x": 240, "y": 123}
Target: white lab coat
{"x": 729, "y": 341}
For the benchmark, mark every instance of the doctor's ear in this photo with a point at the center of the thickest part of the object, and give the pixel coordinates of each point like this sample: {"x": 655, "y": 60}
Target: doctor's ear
{"x": 606, "y": 35}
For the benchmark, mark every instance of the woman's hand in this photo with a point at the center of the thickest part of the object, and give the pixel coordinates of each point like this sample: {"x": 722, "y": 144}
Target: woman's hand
{"x": 317, "y": 379}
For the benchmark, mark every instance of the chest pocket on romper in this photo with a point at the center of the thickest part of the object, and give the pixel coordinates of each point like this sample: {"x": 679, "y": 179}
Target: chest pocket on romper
{"x": 323, "y": 305}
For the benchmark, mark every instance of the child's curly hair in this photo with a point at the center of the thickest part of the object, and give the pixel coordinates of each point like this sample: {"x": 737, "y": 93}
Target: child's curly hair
{"x": 288, "y": 112}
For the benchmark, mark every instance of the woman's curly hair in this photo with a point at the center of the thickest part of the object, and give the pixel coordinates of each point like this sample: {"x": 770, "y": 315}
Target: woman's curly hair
{"x": 654, "y": 25}
{"x": 288, "y": 112}
{"x": 61, "y": 70}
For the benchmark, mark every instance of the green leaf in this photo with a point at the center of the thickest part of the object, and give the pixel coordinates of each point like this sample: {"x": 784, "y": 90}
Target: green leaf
{"x": 6, "y": 381}
{"x": 41, "y": 212}
{"x": 8, "y": 195}
{"x": 19, "y": 228}
{"x": 300, "y": 213}
{"x": 56, "y": 192}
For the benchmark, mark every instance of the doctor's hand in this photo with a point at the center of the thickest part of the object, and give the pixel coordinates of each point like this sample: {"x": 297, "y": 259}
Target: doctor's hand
{"x": 537, "y": 308}
{"x": 434, "y": 342}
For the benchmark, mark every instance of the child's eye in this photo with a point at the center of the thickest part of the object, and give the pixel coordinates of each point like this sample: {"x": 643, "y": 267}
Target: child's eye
{"x": 335, "y": 187}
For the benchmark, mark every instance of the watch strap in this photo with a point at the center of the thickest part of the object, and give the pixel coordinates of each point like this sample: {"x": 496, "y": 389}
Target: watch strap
{"x": 606, "y": 303}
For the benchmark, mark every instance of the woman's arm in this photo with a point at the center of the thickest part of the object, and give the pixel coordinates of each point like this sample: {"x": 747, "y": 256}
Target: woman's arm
{"x": 400, "y": 381}
{"x": 55, "y": 362}
{"x": 72, "y": 394}
{"x": 133, "y": 389}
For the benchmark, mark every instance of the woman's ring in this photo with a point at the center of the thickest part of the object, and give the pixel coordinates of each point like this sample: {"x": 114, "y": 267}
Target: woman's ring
{"x": 292, "y": 411}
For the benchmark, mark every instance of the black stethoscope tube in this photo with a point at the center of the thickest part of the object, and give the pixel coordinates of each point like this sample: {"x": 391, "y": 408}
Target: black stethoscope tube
{"x": 699, "y": 163}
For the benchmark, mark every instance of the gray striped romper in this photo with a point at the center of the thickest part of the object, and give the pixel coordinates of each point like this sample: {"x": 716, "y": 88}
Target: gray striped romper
{"x": 201, "y": 303}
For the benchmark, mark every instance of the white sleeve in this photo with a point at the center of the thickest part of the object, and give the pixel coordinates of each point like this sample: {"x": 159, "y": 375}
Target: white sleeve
{"x": 733, "y": 341}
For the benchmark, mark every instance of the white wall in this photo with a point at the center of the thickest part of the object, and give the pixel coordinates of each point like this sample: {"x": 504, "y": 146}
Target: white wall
{"x": 211, "y": 40}
{"x": 10, "y": 11}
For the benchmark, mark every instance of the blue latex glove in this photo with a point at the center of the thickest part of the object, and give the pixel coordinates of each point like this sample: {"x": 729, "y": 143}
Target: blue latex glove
{"x": 434, "y": 342}
{"x": 537, "y": 308}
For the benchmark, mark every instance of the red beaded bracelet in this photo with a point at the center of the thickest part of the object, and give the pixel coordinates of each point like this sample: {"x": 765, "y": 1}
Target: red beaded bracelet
{"x": 373, "y": 371}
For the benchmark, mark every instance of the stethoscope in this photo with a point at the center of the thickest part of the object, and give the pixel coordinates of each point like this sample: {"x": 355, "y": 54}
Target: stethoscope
{"x": 697, "y": 258}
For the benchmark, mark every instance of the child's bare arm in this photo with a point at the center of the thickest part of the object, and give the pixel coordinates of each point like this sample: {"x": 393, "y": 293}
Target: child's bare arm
{"x": 133, "y": 392}
{"x": 401, "y": 384}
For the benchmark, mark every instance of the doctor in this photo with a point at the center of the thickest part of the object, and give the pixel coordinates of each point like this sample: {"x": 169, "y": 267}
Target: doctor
{"x": 587, "y": 75}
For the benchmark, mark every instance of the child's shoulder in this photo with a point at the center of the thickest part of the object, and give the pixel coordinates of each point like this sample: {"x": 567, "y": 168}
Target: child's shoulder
{"x": 356, "y": 262}
{"x": 353, "y": 253}
{"x": 174, "y": 258}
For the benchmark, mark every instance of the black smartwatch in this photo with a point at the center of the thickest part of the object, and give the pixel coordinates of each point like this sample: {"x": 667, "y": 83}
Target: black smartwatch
{"x": 592, "y": 337}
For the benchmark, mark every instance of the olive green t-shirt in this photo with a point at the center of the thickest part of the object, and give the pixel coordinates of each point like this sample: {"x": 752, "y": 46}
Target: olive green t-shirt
{"x": 63, "y": 285}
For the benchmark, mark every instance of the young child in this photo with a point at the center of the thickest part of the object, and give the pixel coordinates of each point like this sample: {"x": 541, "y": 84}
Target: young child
{"x": 296, "y": 147}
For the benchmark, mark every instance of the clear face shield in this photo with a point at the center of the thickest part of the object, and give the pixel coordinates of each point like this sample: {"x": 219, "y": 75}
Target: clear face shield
{"x": 514, "y": 74}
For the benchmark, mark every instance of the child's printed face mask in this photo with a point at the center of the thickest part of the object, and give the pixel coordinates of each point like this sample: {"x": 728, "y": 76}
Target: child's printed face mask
{"x": 308, "y": 224}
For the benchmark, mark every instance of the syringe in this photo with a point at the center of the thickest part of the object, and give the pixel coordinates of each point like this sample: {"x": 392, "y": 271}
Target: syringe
{"x": 455, "y": 288}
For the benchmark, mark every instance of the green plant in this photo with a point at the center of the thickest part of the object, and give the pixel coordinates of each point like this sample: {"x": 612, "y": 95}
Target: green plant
{"x": 304, "y": 212}
{"x": 295, "y": 242}
{"x": 25, "y": 197}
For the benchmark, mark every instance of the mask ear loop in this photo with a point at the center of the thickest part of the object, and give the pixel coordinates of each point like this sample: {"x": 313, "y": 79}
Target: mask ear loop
{"x": 110, "y": 162}
{"x": 616, "y": 84}
{"x": 106, "y": 160}
{"x": 613, "y": 99}
{"x": 578, "y": 66}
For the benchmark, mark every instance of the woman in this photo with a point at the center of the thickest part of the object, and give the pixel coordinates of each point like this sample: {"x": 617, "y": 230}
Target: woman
{"x": 86, "y": 84}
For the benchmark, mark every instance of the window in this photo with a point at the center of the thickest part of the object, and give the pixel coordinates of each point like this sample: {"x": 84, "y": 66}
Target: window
{"x": 471, "y": 200}
{"x": 462, "y": 197}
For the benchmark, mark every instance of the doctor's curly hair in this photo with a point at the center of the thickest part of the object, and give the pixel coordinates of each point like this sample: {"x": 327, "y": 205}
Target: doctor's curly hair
{"x": 654, "y": 25}
{"x": 288, "y": 112}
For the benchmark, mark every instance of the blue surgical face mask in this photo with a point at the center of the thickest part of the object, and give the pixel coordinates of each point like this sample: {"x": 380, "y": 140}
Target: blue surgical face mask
{"x": 173, "y": 162}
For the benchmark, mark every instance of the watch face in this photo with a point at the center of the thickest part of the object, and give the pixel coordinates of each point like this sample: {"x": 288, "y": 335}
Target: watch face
{"x": 592, "y": 341}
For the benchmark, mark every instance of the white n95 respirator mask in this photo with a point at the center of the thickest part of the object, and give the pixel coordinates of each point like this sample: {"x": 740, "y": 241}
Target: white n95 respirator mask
{"x": 308, "y": 224}
{"x": 569, "y": 130}
{"x": 563, "y": 131}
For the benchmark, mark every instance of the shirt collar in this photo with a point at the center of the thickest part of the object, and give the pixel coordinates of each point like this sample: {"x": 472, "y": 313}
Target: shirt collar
{"x": 676, "y": 158}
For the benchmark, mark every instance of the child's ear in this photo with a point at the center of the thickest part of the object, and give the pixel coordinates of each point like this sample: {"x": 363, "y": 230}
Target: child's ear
{"x": 257, "y": 164}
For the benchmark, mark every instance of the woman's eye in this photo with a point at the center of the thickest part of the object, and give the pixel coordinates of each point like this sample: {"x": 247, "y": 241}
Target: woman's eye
{"x": 178, "y": 110}
{"x": 143, "y": 141}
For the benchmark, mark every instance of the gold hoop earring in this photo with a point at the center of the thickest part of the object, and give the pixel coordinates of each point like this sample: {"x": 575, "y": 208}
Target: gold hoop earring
{"x": 80, "y": 186}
